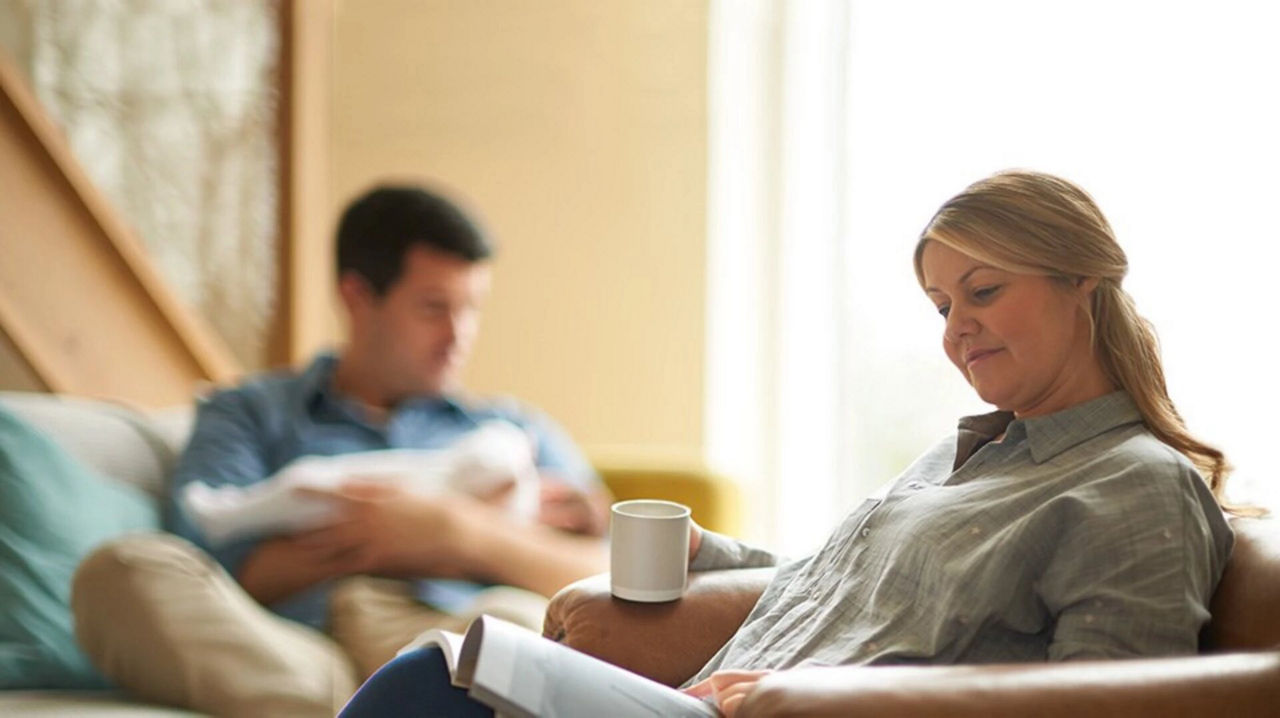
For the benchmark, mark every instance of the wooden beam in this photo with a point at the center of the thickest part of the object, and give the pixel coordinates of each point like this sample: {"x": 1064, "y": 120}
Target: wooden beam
{"x": 305, "y": 317}
{"x": 34, "y": 364}
{"x": 82, "y": 302}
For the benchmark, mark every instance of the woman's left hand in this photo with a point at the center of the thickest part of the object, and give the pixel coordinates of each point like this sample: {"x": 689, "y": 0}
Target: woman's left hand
{"x": 729, "y": 688}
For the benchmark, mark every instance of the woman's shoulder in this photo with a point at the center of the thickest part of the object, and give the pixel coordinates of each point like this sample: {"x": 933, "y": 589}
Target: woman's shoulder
{"x": 1136, "y": 445}
{"x": 1143, "y": 483}
{"x": 1135, "y": 471}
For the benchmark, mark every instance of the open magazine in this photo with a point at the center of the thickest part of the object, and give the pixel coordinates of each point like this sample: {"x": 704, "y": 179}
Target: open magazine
{"x": 520, "y": 674}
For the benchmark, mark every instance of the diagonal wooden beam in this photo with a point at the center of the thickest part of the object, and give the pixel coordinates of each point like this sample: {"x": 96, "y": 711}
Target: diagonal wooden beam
{"x": 82, "y": 302}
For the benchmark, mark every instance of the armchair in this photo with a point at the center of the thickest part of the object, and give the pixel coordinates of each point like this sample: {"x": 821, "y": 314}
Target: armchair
{"x": 1237, "y": 672}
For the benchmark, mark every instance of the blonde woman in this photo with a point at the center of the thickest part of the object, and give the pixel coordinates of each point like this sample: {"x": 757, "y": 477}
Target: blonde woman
{"x": 1081, "y": 520}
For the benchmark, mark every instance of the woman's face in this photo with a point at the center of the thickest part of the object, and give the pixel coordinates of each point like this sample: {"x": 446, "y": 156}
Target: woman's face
{"x": 1021, "y": 340}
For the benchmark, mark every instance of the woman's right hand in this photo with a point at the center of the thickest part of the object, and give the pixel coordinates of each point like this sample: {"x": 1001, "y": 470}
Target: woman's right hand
{"x": 729, "y": 688}
{"x": 695, "y": 539}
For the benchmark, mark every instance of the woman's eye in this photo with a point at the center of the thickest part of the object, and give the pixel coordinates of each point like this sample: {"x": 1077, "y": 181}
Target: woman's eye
{"x": 944, "y": 310}
{"x": 985, "y": 292}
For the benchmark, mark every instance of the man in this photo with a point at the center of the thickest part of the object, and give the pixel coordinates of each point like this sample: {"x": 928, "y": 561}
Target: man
{"x": 162, "y": 620}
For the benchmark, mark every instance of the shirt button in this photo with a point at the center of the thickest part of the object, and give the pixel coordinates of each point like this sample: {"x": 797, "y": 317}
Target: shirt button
{"x": 866, "y": 532}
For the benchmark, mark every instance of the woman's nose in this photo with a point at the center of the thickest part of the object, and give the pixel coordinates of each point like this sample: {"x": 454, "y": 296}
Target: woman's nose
{"x": 960, "y": 324}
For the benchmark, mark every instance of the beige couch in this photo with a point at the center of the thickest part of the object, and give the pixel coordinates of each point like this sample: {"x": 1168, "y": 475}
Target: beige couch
{"x": 140, "y": 448}
{"x": 130, "y": 446}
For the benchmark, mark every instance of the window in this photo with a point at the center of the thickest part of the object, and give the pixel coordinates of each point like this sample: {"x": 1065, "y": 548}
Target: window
{"x": 1167, "y": 113}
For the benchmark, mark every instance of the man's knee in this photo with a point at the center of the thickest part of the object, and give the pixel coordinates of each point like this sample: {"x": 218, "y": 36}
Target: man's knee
{"x": 160, "y": 617}
{"x": 126, "y": 567}
{"x": 119, "y": 583}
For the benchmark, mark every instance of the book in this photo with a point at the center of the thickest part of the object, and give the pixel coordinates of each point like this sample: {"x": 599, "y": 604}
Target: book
{"x": 520, "y": 674}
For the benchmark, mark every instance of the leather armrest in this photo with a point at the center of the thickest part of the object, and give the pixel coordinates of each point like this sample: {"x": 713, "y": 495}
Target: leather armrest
{"x": 1237, "y": 684}
{"x": 667, "y": 642}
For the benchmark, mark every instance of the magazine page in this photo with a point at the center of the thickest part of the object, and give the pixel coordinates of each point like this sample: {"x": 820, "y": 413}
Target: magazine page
{"x": 451, "y": 644}
{"x": 522, "y": 674}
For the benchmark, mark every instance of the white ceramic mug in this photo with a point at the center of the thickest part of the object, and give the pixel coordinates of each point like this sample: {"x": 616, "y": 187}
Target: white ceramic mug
{"x": 649, "y": 550}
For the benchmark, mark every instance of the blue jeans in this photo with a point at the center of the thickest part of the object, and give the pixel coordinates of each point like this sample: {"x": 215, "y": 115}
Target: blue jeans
{"x": 415, "y": 684}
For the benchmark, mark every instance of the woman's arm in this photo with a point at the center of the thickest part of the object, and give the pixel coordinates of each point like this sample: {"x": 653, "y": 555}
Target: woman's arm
{"x": 1136, "y": 564}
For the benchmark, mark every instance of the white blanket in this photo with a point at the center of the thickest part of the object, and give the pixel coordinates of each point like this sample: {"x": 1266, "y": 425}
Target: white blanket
{"x": 495, "y": 455}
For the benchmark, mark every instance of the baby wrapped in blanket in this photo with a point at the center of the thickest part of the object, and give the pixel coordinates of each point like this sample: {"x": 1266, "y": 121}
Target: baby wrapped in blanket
{"x": 494, "y": 457}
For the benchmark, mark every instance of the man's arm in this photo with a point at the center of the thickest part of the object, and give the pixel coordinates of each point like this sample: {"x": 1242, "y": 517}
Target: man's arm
{"x": 573, "y": 498}
{"x": 536, "y": 557}
{"x": 386, "y": 530}
{"x": 228, "y": 447}
{"x": 281, "y": 567}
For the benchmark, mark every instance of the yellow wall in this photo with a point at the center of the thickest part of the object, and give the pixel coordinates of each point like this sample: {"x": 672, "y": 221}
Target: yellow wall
{"x": 577, "y": 129}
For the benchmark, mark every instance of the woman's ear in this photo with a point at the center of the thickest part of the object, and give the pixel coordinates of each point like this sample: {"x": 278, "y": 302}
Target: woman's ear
{"x": 1086, "y": 285}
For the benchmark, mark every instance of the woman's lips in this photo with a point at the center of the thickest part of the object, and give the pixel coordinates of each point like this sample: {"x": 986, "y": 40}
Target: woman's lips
{"x": 977, "y": 355}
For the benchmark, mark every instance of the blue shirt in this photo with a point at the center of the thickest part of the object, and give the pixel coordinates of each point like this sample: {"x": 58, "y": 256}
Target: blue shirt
{"x": 245, "y": 434}
{"x": 1078, "y": 534}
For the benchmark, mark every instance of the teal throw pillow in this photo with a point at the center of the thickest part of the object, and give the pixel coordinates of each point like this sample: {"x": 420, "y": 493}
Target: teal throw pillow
{"x": 53, "y": 511}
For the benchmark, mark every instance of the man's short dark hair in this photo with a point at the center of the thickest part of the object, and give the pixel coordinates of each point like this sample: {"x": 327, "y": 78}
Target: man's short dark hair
{"x": 379, "y": 227}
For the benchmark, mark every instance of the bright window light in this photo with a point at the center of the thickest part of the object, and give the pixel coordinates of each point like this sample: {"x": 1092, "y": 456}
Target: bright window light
{"x": 1166, "y": 113}
{"x": 831, "y": 149}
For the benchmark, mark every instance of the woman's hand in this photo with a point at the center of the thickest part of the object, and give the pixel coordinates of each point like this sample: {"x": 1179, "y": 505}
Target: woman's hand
{"x": 695, "y": 539}
{"x": 729, "y": 688}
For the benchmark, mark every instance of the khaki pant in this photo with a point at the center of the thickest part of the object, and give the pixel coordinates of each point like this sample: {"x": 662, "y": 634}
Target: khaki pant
{"x": 164, "y": 621}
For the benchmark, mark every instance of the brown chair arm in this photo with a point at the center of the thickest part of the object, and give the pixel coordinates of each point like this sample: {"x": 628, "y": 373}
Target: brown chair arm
{"x": 667, "y": 642}
{"x": 1237, "y": 684}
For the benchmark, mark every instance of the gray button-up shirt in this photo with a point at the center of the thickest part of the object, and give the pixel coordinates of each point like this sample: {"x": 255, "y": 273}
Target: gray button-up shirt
{"x": 1077, "y": 535}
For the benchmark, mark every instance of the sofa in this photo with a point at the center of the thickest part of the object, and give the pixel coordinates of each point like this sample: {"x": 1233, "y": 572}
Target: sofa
{"x": 139, "y": 448}
{"x": 1237, "y": 673}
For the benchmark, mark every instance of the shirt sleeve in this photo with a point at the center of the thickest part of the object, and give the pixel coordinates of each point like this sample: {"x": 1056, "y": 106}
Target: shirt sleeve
{"x": 226, "y": 448}
{"x": 1140, "y": 553}
{"x": 718, "y": 551}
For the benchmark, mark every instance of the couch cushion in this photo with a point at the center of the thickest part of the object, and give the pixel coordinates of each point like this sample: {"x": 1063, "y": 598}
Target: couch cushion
{"x": 122, "y": 443}
{"x": 53, "y": 511}
{"x": 1249, "y": 591}
{"x": 82, "y": 704}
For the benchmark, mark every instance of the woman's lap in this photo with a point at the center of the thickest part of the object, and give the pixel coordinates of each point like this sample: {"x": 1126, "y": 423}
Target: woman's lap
{"x": 417, "y": 684}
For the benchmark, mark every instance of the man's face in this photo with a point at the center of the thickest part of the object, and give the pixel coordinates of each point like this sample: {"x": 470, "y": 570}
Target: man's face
{"x": 420, "y": 332}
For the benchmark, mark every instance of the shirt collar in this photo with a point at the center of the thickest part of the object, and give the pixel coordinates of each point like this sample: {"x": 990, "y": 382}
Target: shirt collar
{"x": 1051, "y": 434}
{"x": 316, "y": 382}
{"x": 317, "y": 390}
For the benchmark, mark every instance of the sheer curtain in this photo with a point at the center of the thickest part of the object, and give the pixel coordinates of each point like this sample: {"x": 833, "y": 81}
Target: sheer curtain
{"x": 839, "y": 127}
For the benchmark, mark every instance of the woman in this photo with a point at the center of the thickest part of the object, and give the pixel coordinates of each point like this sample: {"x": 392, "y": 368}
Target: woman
{"x": 1081, "y": 520}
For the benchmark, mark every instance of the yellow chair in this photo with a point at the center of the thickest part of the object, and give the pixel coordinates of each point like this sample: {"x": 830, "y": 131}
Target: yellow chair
{"x": 714, "y": 499}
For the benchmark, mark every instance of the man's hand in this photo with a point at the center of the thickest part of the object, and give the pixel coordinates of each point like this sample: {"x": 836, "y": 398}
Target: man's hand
{"x": 280, "y": 567}
{"x": 383, "y": 529}
{"x": 387, "y": 530}
{"x": 571, "y": 509}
